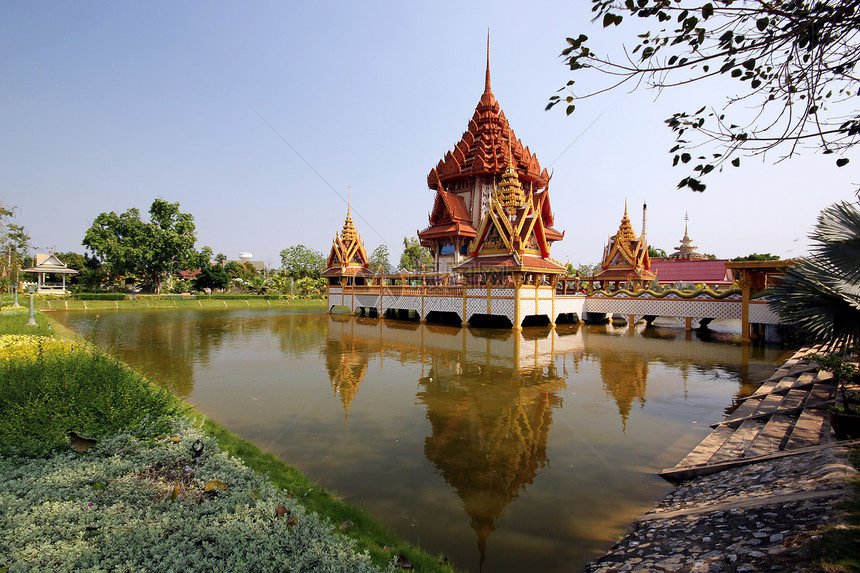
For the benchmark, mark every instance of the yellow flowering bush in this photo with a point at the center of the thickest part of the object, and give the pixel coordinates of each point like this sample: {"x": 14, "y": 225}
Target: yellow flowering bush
{"x": 24, "y": 346}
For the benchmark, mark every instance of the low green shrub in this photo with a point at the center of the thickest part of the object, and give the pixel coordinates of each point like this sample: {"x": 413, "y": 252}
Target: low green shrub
{"x": 98, "y": 296}
{"x": 46, "y": 394}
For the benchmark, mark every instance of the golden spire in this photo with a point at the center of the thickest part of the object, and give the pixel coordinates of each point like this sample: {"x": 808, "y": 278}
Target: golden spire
{"x": 625, "y": 230}
{"x": 487, "y": 79}
{"x": 349, "y": 234}
{"x": 510, "y": 192}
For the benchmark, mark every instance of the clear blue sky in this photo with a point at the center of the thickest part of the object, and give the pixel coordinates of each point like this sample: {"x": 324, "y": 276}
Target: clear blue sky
{"x": 107, "y": 105}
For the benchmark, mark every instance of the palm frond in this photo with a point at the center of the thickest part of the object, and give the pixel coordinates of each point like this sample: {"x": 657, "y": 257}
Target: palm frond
{"x": 821, "y": 294}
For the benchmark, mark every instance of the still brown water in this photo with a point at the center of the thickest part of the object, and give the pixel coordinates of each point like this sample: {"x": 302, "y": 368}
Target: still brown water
{"x": 502, "y": 451}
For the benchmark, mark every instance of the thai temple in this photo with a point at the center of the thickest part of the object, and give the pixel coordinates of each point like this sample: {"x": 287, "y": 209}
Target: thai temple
{"x": 488, "y": 171}
{"x": 490, "y": 231}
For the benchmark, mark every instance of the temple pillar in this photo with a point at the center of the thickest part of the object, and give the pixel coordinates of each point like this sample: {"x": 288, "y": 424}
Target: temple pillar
{"x": 553, "y": 281}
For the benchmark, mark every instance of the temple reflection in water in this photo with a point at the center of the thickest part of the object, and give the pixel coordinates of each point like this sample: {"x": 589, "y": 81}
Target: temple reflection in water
{"x": 489, "y": 395}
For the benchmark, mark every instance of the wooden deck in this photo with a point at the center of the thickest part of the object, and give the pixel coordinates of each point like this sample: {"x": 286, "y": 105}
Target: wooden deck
{"x": 787, "y": 415}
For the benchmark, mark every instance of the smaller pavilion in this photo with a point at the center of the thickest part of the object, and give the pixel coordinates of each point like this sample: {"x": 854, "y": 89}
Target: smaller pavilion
{"x": 626, "y": 263}
{"x": 49, "y": 264}
{"x": 347, "y": 262}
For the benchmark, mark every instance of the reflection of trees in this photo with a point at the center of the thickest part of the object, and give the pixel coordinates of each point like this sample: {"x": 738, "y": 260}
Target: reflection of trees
{"x": 299, "y": 333}
{"x": 489, "y": 436}
{"x": 625, "y": 378}
{"x": 166, "y": 345}
{"x": 347, "y": 366}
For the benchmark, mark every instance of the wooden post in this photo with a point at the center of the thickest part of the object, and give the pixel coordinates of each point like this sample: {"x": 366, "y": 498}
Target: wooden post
{"x": 746, "y": 288}
{"x": 688, "y": 324}
{"x": 465, "y": 286}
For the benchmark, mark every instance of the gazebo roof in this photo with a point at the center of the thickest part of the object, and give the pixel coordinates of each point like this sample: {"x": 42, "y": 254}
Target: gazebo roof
{"x": 50, "y": 264}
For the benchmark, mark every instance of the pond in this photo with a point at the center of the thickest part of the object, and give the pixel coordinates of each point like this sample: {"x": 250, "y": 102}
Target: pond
{"x": 503, "y": 451}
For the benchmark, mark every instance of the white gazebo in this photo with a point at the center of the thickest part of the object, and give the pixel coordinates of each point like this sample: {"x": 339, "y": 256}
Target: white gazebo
{"x": 50, "y": 265}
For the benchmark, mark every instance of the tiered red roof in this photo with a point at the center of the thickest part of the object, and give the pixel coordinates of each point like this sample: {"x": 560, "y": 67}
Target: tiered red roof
{"x": 449, "y": 217}
{"x": 484, "y": 150}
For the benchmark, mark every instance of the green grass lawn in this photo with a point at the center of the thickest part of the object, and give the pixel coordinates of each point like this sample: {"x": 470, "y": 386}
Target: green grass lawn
{"x": 154, "y": 508}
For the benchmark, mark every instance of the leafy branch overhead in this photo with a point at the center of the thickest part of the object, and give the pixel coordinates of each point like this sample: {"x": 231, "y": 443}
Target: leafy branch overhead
{"x": 793, "y": 61}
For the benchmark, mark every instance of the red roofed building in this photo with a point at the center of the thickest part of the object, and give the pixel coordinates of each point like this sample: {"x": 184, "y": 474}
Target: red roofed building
{"x": 692, "y": 271}
{"x": 687, "y": 265}
{"x": 465, "y": 178}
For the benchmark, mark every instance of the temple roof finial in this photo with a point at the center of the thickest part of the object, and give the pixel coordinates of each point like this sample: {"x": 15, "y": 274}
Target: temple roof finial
{"x": 487, "y": 80}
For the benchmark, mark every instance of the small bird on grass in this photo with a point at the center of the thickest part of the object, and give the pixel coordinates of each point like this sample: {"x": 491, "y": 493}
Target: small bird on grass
{"x": 80, "y": 443}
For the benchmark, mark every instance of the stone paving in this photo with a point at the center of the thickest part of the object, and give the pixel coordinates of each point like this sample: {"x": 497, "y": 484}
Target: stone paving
{"x": 749, "y": 518}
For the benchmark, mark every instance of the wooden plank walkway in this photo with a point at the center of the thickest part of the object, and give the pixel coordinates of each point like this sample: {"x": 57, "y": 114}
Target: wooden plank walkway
{"x": 786, "y": 414}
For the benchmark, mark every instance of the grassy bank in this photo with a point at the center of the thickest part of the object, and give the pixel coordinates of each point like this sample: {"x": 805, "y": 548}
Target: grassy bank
{"x": 161, "y": 302}
{"x": 139, "y": 495}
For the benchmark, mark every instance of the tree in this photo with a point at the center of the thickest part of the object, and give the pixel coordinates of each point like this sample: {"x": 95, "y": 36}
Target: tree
{"x": 281, "y": 283}
{"x": 234, "y": 269}
{"x": 656, "y": 253}
{"x": 14, "y": 242}
{"x": 90, "y": 272}
{"x": 379, "y": 261}
{"x": 758, "y": 257}
{"x": 300, "y": 261}
{"x": 415, "y": 257}
{"x": 309, "y": 286}
{"x": 793, "y": 61}
{"x": 820, "y": 294}
{"x": 155, "y": 249}
{"x": 586, "y": 270}
{"x": 211, "y": 277}
{"x": 220, "y": 258}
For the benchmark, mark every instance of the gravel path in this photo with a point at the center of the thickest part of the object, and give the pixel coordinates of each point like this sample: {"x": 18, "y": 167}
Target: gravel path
{"x": 749, "y": 518}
